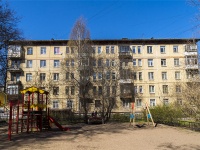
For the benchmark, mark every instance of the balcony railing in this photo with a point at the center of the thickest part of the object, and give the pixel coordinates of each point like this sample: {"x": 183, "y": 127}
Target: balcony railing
{"x": 126, "y": 95}
{"x": 15, "y": 68}
{"x": 126, "y": 54}
{"x": 191, "y": 48}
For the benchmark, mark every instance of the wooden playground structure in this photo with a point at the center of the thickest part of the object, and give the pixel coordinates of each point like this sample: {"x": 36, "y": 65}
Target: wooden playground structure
{"x": 31, "y": 113}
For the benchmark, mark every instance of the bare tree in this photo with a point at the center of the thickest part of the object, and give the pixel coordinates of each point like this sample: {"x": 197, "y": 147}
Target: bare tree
{"x": 8, "y": 32}
{"x": 80, "y": 45}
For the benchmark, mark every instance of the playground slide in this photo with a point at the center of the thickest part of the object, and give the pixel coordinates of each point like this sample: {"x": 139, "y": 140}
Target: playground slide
{"x": 57, "y": 124}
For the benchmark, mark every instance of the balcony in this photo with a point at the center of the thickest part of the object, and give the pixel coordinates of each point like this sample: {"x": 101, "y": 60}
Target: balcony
{"x": 191, "y": 48}
{"x": 126, "y": 95}
{"x": 125, "y": 55}
{"x": 15, "y": 68}
{"x": 15, "y": 52}
{"x": 125, "y": 81}
{"x": 192, "y": 66}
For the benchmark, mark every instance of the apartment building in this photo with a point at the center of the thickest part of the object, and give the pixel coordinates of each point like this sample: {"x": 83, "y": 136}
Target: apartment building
{"x": 138, "y": 70}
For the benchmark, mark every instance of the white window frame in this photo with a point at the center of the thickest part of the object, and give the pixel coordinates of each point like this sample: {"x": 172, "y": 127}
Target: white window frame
{"x": 176, "y": 62}
{"x": 56, "y": 50}
{"x": 150, "y": 62}
{"x": 139, "y": 103}
{"x": 165, "y": 89}
{"x": 29, "y": 77}
{"x": 175, "y": 49}
{"x": 69, "y": 104}
{"x": 42, "y": 76}
{"x": 134, "y": 49}
{"x": 134, "y": 62}
{"x": 140, "y": 89}
{"x": 162, "y": 49}
{"x": 163, "y": 62}
{"x": 112, "y": 49}
{"x": 126, "y": 103}
{"x": 166, "y": 101}
{"x": 140, "y": 75}
{"x": 29, "y": 63}
{"x": 56, "y": 63}
{"x": 42, "y": 50}
{"x": 151, "y": 75}
{"x": 29, "y": 51}
{"x": 140, "y": 62}
{"x": 164, "y": 75}
{"x": 151, "y": 88}
{"x": 149, "y": 49}
{"x": 42, "y": 63}
{"x": 177, "y": 75}
{"x": 139, "y": 49}
{"x": 55, "y": 104}
{"x": 152, "y": 102}
{"x": 55, "y": 76}
{"x": 107, "y": 49}
{"x": 99, "y": 50}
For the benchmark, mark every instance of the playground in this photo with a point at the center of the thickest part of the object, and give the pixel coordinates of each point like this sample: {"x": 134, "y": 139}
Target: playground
{"x": 111, "y": 136}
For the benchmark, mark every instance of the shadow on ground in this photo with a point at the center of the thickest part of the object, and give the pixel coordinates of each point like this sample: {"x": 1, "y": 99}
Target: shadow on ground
{"x": 42, "y": 138}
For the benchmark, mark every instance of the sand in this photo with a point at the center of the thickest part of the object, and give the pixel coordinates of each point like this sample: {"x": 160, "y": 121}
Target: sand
{"x": 111, "y": 136}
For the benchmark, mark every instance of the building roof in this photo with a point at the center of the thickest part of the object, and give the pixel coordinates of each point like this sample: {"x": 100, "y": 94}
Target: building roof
{"x": 109, "y": 41}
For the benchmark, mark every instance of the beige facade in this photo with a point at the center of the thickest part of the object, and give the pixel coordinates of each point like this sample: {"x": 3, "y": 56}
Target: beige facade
{"x": 159, "y": 65}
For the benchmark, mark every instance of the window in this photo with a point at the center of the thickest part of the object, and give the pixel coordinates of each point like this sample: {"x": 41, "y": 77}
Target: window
{"x": 139, "y": 62}
{"x": 72, "y": 90}
{"x": 162, "y": 49}
{"x": 72, "y": 62}
{"x": 93, "y": 49}
{"x": 72, "y": 75}
{"x": 42, "y": 76}
{"x": 94, "y": 90}
{"x": 12, "y": 89}
{"x": 178, "y": 89}
{"x": 107, "y": 75}
{"x": 72, "y": 50}
{"x": 112, "y": 49}
{"x": 67, "y": 50}
{"x": 175, "y": 49}
{"x": 191, "y": 60}
{"x": 56, "y": 76}
{"x": 135, "y": 89}
{"x": 133, "y": 49}
{"x": 177, "y": 75}
{"x": 43, "y": 50}
{"x": 126, "y": 103}
{"x": 163, "y": 62}
{"x": 151, "y": 75}
{"x": 29, "y": 64}
{"x": 135, "y": 76}
{"x": 29, "y": 77}
{"x": 113, "y": 76}
{"x": 55, "y": 90}
{"x": 138, "y": 102}
{"x": 140, "y": 89}
{"x": 113, "y": 63}
{"x": 152, "y": 102}
{"x": 150, "y": 62}
{"x": 149, "y": 49}
{"x": 124, "y": 49}
{"x": 94, "y": 63}
{"x": 56, "y": 63}
{"x": 108, "y": 91}
{"x": 42, "y": 63}
{"x": 176, "y": 62}
{"x": 140, "y": 75}
{"x": 67, "y": 75}
{"x": 134, "y": 62}
{"x": 67, "y": 90}
{"x": 165, "y": 89}
{"x": 107, "y": 49}
{"x": 100, "y": 90}
{"x": 100, "y": 76}
{"x": 69, "y": 104}
{"x": 139, "y": 50}
{"x": 179, "y": 101}
{"x": 97, "y": 103}
{"x": 107, "y": 62}
{"x": 56, "y": 50}
{"x": 67, "y": 63}
{"x": 29, "y": 51}
{"x": 165, "y": 102}
{"x": 55, "y": 104}
{"x": 94, "y": 77}
{"x": 164, "y": 75}
{"x": 99, "y": 49}
{"x": 99, "y": 62}
{"x": 151, "y": 89}
{"x": 113, "y": 89}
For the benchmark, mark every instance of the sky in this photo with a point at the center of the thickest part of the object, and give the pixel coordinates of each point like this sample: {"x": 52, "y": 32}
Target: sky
{"x": 107, "y": 19}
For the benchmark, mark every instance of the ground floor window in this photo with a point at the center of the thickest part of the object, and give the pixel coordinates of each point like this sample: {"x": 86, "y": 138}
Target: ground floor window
{"x": 152, "y": 102}
{"x": 69, "y": 104}
{"x": 55, "y": 104}
{"x": 97, "y": 103}
{"x": 179, "y": 101}
{"x": 139, "y": 103}
{"x": 126, "y": 103}
{"x": 165, "y": 102}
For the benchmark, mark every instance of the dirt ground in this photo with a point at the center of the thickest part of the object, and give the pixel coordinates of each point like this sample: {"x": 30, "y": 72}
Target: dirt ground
{"x": 112, "y": 136}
